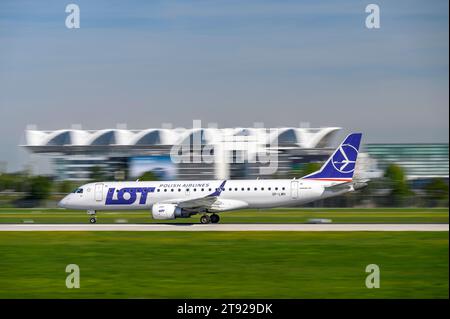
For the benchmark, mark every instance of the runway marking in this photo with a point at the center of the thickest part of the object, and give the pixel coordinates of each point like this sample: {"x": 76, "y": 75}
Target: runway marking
{"x": 224, "y": 227}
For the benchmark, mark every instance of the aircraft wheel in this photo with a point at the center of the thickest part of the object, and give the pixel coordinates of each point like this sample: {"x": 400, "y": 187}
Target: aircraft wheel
{"x": 93, "y": 220}
{"x": 205, "y": 219}
{"x": 215, "y": 218}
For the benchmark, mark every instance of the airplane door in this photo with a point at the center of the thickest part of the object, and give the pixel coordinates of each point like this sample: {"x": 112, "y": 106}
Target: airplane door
{"x": 294, "y": 189}
{"x": 99, "y": 192}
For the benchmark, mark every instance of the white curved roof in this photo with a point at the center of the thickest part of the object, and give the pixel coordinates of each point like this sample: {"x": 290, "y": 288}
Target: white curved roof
{"x": 155, "y": 137}
{"x": 317, "y": 138}
{"x": 56, "y": 138}
{"x": 110, "y": 137}
{"x": 302, "y": 137}
{"x": 202, "y": 135}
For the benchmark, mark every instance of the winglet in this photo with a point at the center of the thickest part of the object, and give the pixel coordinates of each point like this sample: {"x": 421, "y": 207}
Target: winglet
{"x": 219, "y": 189}
{"x": 341, "y": 164}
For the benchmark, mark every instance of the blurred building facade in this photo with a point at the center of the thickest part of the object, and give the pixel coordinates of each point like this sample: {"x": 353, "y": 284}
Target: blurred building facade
{"x": 420, "y": 161}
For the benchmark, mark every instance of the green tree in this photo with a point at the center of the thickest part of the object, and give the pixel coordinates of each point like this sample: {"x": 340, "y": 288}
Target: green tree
{"x": 149, "y": 176}
{"x": 398, "y": 184}
{"x": 5, "y": 182}
{"x": 97, "y": 174}
{"x": 65, "y": 187}
{"x": 13, "y": 181}
{"x": 39, "y": 187}
{"x": 306, "y": 169}
{"x": 311, "y": 168}
{"x": 437, "y": 192}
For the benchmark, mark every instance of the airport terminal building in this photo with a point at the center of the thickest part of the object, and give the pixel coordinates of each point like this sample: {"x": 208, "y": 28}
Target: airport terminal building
{"x": 213, "y": 153}
{"x": 203, "y": 153}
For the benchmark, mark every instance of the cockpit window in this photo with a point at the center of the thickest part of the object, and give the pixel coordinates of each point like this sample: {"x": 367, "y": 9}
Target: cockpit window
{"x": 78, "y": 191}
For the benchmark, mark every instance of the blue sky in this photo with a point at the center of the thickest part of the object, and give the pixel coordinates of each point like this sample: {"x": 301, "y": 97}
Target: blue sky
{"x": 232, "y": 62}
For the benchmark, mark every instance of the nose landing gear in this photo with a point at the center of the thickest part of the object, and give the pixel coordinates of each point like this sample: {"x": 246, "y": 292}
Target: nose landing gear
{"x": 93, "y": 218}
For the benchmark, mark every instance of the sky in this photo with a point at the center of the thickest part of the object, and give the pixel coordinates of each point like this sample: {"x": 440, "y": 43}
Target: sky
{"x": 228, "y": 62}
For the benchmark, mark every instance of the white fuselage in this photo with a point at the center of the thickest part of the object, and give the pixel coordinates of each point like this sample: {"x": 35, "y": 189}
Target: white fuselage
{"x": 235, "y": 194}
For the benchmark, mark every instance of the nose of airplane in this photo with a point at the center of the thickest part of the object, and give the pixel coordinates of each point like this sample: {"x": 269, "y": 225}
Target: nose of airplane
{"x": 63, "y": 202}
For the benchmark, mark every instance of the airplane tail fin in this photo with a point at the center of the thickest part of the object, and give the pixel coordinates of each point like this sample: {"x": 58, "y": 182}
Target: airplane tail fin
{"x": 341, "y": 164}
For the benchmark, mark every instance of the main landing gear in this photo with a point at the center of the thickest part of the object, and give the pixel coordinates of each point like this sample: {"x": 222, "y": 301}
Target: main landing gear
{"x": 205, "y": 219}
{"x": 92, "y": 218}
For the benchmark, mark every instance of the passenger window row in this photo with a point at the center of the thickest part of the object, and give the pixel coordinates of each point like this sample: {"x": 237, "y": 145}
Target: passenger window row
{"x": 223, "y": 189}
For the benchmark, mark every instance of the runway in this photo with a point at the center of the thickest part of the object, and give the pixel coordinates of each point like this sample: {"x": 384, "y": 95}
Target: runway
{"x": 225, "y": 227}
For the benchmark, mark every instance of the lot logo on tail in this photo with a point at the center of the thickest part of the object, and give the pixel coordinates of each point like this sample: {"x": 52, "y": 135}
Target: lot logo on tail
{"x": 344, "y": 159}
{"x": 341, "y": 165}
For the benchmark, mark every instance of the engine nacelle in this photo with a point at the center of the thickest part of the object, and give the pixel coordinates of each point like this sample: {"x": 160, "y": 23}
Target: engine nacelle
{"x": 168, "y": 211}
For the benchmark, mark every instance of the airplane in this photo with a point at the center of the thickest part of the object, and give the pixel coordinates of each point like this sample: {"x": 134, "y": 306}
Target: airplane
{"x": 181, "y": 199}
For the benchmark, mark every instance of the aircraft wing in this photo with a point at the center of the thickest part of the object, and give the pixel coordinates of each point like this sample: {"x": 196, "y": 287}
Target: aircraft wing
{"x": 211, "y": 202}
{"x": 205, "y": 202}
{"x": 199, "y": 202}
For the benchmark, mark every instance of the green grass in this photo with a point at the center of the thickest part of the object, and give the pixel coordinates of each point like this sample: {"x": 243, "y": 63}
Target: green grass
{"x": 286, "y": 215}
{"x": 224, "y": 264}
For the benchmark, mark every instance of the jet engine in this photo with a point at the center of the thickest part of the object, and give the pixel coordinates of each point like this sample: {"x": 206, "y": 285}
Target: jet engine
{"x": 168, "y": 211}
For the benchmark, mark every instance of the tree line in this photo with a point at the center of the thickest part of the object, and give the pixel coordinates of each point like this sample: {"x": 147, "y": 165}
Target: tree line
{"x": 391, "y": 190}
